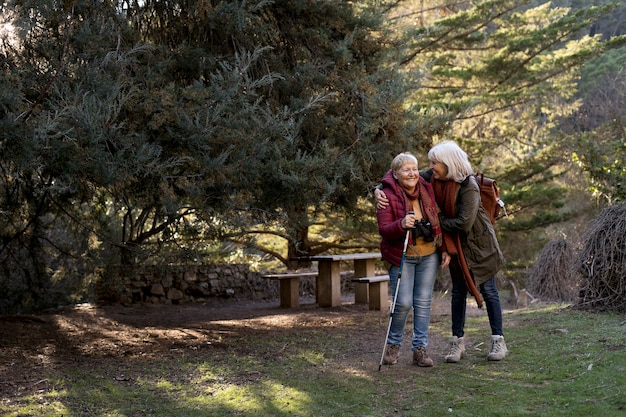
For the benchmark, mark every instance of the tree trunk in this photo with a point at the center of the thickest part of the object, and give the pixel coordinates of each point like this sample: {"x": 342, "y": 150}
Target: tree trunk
{"x": 300, "y": 246}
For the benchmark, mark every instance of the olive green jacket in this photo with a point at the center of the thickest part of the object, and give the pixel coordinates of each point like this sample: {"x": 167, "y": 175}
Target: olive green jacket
{"x": 478, "y": 238}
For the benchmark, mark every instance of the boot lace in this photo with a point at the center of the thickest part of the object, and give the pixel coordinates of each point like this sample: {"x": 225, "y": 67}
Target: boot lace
{"x": 454, "y": 349}
{"x": 496, "y": 346}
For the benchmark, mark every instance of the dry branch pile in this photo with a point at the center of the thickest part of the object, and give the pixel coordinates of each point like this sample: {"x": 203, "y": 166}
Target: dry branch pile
{"x": 602, "y": 262}
{"x": 551, "y": 277}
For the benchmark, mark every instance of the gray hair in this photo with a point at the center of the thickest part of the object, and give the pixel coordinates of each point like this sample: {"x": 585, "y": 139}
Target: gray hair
{"x": 402, "y": 159}
{"x": 454, "y": 158}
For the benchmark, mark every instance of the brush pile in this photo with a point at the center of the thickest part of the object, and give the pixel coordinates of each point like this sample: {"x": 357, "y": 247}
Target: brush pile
{"x": 551, "y": 277}
{"x": 593, "y": 276}
{"x": 602, "y": 262}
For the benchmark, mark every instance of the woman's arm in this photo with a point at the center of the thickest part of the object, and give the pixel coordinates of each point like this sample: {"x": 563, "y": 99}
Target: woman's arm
{"x": 391, "y": 228}
{"x": 467, "y": 209}
{"x": 381, "y": 198}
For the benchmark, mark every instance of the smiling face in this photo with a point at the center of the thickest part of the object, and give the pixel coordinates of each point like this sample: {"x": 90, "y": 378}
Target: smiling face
{"x": 407, "y": 175}
{"x": 440, "y": 170}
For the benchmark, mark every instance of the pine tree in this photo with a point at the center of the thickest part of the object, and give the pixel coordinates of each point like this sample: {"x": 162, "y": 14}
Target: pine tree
{"x": 509, "y": 71}
{"x": 139, "y": 126}
{"x": 318, "y": 130}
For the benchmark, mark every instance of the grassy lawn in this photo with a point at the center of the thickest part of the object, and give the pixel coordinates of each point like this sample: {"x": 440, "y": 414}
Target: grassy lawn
{"x": 562, "y": 363}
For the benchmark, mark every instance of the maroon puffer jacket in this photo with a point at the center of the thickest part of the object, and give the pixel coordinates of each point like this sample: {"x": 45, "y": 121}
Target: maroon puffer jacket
{"x": 390, "y": 219}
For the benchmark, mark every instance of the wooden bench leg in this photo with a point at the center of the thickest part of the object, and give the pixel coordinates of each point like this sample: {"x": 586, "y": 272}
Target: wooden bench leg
{"x": 379, "y": 295}
{"x": 289, "y": 294}
{"x": 361, "y": 293}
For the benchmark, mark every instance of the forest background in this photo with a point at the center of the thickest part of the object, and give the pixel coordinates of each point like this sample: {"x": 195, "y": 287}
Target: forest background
{"x": 195, "y": 131}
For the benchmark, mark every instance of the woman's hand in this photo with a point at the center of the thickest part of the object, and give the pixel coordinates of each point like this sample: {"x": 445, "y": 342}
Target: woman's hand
{"x": 408, "y": 222}
{"x": 382, "y": 202}
{"x": 445, "y": 260}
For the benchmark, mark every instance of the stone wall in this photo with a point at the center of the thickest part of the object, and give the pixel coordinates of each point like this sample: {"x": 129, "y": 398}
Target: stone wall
{"x": 178, "y": 284}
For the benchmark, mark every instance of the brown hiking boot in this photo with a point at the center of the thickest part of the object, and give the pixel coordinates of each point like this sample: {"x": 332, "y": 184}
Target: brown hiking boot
{"x": 391, "y": 354}
{"x": 457, "y": 350}
{"x": 420, "y": 357}
{"x": 498, "y": 349}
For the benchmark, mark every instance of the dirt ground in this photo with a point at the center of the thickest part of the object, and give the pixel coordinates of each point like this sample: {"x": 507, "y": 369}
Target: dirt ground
{"x": 97, "y": 336}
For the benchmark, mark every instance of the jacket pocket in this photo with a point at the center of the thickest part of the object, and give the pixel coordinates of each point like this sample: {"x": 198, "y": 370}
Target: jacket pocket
{"x": 482, "y": 247}
{"x": 482, "y": 242}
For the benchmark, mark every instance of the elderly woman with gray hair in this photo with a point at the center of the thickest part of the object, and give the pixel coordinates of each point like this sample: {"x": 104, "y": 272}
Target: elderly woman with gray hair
{"x": 411, "y": 205}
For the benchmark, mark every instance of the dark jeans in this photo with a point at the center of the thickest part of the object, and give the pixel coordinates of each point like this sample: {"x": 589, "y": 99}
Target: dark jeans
{"x": 459, "y": 300}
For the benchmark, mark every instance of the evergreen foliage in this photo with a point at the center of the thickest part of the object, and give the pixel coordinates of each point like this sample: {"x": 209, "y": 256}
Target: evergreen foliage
{"x": 188, "y": 124}
{"x": 509, "y": 71}
{"x": 158, "y": 131}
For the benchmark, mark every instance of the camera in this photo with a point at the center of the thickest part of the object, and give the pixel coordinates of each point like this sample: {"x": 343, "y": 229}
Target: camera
{"x": 422, "y": 228}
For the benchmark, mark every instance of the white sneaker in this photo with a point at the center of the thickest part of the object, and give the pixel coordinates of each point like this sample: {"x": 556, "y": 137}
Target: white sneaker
{"x": 498, "y": 349}
{"x": 457, "y": 350}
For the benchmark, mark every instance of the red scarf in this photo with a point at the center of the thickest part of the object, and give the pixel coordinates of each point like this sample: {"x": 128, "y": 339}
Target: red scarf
{"x": 445, "y": 194}
{"x": 426, "y": 199}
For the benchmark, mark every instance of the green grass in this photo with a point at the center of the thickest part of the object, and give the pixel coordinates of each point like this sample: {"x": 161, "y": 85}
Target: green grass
{"x": 562, "y": 363}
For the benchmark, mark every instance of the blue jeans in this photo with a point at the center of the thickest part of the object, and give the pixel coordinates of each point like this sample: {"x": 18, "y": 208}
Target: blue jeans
{"x": 459, "y": 301}
{"x": 415, "y": 290}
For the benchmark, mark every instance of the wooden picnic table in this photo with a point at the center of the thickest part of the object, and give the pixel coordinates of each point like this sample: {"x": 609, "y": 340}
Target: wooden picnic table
{"x": 329, "y": 274}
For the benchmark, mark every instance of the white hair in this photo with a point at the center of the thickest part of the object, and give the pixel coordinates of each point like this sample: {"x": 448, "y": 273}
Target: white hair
{"x": 454, "y": 158}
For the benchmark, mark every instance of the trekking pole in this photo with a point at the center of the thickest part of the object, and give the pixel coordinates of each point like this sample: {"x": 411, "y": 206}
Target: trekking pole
{"x": 395, "y": 296}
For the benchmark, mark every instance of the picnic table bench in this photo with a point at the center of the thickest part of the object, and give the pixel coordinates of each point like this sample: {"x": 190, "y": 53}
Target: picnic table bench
{"x": 373, "y": 291}
{"x": 288, "y": 287}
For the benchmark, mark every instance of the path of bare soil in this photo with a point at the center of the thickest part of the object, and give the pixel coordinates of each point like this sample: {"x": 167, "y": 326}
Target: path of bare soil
{"x": 96, "y": 336}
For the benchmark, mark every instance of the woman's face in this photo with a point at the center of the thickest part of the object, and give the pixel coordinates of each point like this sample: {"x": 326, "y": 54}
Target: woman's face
{"x": 407, "y": 176}
{"x": 440, "y": 170}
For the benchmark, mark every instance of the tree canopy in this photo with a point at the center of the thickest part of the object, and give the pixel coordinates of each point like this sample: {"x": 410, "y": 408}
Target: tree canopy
{"x": 157, "y": 131}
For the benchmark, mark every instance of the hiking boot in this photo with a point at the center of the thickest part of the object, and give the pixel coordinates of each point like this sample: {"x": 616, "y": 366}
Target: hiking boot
{"x": 457, "y": 350}
{"x": 498, "y": 349}
{"x": 391, "y": 354}
{"x": 420, "y": 357}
